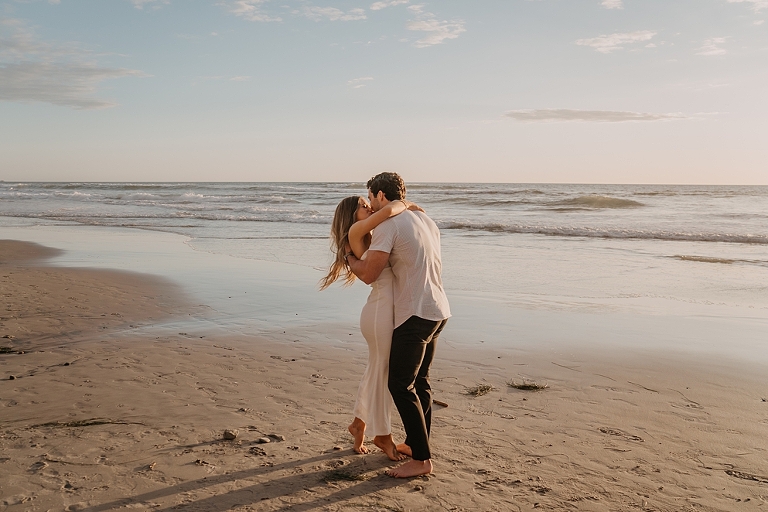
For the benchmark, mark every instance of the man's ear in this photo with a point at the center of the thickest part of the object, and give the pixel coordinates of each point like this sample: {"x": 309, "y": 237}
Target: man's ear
{"x": 380, "y": 196}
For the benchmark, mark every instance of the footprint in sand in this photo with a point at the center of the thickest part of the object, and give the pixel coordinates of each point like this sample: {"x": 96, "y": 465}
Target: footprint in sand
{"x": 746, "y": 476}
{"x": 620, "y": 433}
{"x": 255, "y": 450}
{"x": 38, "y": 466}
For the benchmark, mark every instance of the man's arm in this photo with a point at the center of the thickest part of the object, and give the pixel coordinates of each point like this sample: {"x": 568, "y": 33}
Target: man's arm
{"x": 369, "y": 269}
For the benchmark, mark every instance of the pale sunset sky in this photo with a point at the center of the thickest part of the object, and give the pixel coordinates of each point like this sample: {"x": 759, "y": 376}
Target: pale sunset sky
{"x": 573, "y": 91}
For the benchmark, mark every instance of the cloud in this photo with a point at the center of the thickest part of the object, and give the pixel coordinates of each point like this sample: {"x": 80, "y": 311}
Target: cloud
{"x": 613, "y": 42}
{"x": 613, "y": 4}
{"x": 377, "y": 6}
{"x": 249, "y": 10}
{"x": 71, "y": 85}
{"x": 437, "y": 31}
{"x": 18, "y": 42}
{"x": 333, "y": 14}
{"x": 710, "y": 86}
{"x": 139, "y": 4}
{"x": 593, "y": 116}
{"x": 32, "y": 70}
{"x": 711, "y": 48}
{"x": 758, "y": 22}
{"x": 756, "y": 5}
{"x": 357, "y": 83}
{"x": 219, "y": 78}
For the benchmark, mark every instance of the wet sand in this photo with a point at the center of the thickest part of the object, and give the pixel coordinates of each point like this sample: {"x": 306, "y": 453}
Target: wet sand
{"x": 99, "y": 417}
{"x": 52, "y": 304}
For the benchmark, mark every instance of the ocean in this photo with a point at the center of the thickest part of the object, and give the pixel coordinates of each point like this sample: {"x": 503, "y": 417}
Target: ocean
{"x": 735, "y": 214}
{"x": 523, "y": 263}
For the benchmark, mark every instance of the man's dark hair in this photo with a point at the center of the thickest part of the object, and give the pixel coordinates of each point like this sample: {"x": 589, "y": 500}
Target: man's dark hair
{"x": 390, "y": 183}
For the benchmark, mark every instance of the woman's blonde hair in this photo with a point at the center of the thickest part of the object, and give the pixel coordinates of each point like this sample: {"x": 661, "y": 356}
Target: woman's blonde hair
{"x": 342, "y": 221}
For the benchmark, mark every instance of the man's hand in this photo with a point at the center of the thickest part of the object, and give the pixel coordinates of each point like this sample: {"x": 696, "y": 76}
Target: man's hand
{"x": 369, "y": 269}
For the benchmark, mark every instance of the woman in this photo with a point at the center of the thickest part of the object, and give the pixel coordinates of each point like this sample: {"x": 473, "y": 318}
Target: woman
{"x": 351, "y": 231}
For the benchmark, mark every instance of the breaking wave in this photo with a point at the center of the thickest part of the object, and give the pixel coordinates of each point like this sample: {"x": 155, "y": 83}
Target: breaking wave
{"x": 649, "y": 212}
{"x": 610, "y": 233}
{"x": 723, "y": 261}
{"x": 598, "y": 202}
{"x": 704, "y": 259}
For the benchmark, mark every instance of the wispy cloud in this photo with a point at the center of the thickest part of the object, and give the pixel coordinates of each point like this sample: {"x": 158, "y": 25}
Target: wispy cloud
{"x": 333, "y": 14}
{"x": 219, "y": 78}
{"x": 250, "y": 10}
{"x": 139, "y": 4}
{"x": 437, "y": 30}
{"x": 594, "y": 116}
{"x": 758, "y": 22}
{"x": 18, "y": 42}
{"x": 710, "y": 86}
{"x": 377, "y": 6}
{"x": 357, "y": 83}
{"x": 71, "y": 85}
{"x": 613, "y": 42}
{"x": 712, "y": 47}
{"x": 756, "y": 5}
{"x": 32, "y": 70}
{"x": 613, "y": 4}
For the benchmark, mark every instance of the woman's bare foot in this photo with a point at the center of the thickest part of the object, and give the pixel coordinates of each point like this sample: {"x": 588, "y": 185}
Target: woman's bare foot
{"x": 388, "y": 446}
{"x": 405, "y": 449}
{"x": 357, "y": 429}
{"x": 411, "y": 468}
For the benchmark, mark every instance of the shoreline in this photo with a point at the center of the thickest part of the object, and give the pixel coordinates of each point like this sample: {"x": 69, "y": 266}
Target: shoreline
{"x": 245, "y": 296}
{"x": 111, "y": 418}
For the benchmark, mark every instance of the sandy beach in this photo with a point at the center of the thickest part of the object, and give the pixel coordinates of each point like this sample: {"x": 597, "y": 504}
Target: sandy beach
{"x": 95, "y": 417}
{"x": 179, "y": 180}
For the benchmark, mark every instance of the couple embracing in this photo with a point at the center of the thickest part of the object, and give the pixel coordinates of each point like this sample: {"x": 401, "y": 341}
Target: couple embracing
{"x": 393, "y": 246}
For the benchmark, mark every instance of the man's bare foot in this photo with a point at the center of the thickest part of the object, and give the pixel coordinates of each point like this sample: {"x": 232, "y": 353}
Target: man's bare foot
{"x": 412, "y": 468}
{"x": 388, "y": 446}
{"x": 405, "y": 449}
{"x": 357, "y": 429}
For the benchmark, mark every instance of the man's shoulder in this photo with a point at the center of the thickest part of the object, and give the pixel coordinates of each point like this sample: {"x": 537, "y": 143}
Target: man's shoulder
{"x": 408, "y": 221}
{"x": 411, "y": 217}
{"x": 385, "y": 233}
{"x": 401, "y": 219}
{"x": 424, "y": 220}
{"x": 421, "y": 215}
{"x": 388, "y": 225}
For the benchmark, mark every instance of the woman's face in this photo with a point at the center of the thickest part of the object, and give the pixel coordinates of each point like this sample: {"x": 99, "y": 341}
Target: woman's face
{"x": 363, "y": 210}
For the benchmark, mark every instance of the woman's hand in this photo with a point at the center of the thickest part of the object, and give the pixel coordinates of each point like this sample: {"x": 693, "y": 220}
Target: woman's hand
{"x": 413, "y": 206}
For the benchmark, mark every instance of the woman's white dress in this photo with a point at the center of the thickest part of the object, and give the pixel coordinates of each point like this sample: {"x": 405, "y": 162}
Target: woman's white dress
{"x": 377, "y": 321}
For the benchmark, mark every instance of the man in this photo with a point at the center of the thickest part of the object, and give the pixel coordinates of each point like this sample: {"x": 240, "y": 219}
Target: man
{"x": 410, "y": 244}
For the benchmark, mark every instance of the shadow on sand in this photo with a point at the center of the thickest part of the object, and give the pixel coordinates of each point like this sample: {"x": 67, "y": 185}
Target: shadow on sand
{"x": 309, "y": 487}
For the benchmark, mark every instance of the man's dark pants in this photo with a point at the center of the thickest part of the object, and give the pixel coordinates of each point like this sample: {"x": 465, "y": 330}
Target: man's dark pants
{"x": 413, "y": 348}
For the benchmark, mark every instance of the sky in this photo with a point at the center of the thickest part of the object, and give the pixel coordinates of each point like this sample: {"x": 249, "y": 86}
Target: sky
{"x": 530, "y": 91}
